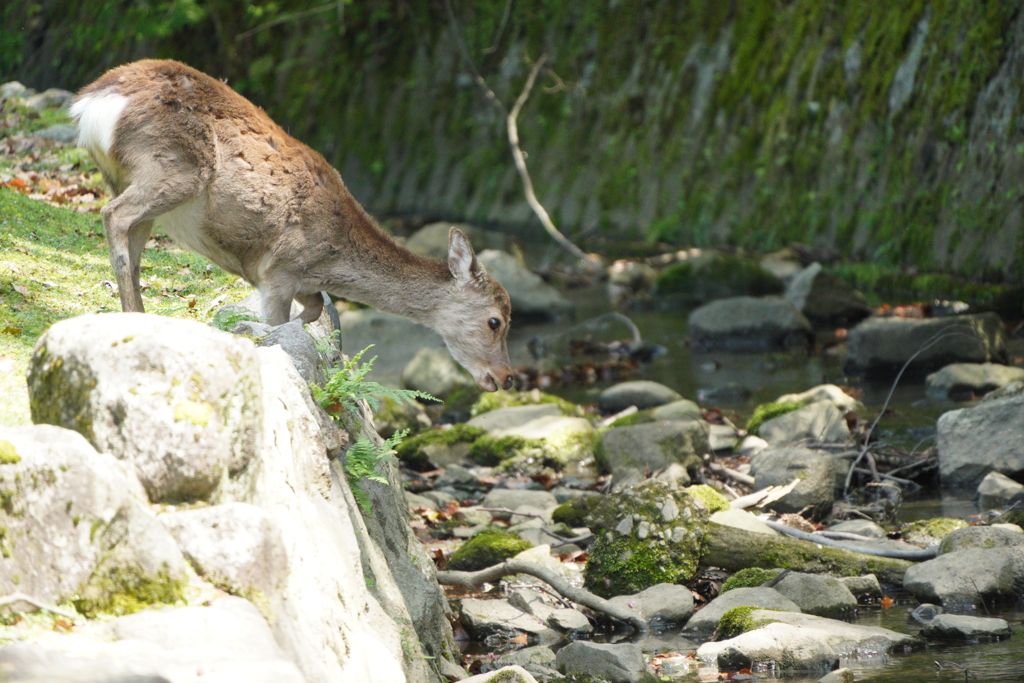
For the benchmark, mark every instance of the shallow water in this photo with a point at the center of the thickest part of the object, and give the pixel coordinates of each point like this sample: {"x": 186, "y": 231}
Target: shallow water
{"x": 909, "y": 424}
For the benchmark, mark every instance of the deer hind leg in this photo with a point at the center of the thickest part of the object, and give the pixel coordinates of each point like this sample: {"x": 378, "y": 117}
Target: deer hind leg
{"x": 128, "y": 221}
{"x": 278, "y": 293}
{"x": 312, "y": 306}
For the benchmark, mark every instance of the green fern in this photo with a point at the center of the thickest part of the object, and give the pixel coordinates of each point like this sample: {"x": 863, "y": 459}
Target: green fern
{"x": 347, "y": 386}
{"x": 362, "y": 460}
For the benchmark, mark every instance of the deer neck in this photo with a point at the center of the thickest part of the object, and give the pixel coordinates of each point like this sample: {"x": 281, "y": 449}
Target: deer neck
{"x": 389, "y": 277}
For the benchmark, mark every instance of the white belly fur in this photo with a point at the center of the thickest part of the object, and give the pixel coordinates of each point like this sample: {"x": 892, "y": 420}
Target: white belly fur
{"x": 187, "y": 225}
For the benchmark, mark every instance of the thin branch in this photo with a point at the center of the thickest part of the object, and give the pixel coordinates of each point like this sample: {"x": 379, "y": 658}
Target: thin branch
{"x": 578, "y": 595}
{"x": 935, "y": 339}
{"x": 501, "y": 28}
{"x": 340, "y": 6}
{"x": 511, "y": 123}
{"x": 21, "y": 597}
{"x": 724, "y": 471}
{"x": 913, "y": 555}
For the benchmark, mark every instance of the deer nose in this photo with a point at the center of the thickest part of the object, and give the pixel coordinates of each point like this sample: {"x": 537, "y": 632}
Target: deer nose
{"x": 509, "y": 381}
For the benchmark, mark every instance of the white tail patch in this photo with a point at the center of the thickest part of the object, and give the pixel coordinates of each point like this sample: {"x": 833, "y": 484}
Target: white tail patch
{"x": 97, "y": 117}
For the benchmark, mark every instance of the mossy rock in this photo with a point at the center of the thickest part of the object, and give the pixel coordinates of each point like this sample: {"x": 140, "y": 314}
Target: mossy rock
{"x": 751, "y": 577}
{"x": 127, "y": 590}
{"x": 534, "y": 456}
{"x": 486, "y": 549}
{"x": 930, "y": 532}
{"x": 714, "y": 276}
{"x": 574, "y": 513}
{"x": 504, "y": 399}
{"x": 395, "y": 416}
{"x": 644, "y": 536}
{"x": 769, "y": 411}
{"x": 738, "y": 621}
{"x": 8, "y": 454}
{"x": 712, "y": 499}
{"x": 417, "y": 452}
{"x": 492, "y": 450}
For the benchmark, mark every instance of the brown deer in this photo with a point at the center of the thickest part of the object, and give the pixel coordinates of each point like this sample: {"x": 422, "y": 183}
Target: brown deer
{"x": 185, "y": 152}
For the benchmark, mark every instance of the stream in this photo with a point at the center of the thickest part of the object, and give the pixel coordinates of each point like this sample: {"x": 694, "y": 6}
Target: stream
{"x": 908, "y": 424}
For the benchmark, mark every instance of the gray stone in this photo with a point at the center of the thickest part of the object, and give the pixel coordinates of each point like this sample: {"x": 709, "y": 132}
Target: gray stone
{"x": 842, "y": 675}
{"x": 432, "y": 239}
{"x": 416, "y": 501}
{"x": 864, "y": 588}
{"x": 511, "y": 499}
{"x": 50, "y": 98}
{"x": 73, "y": 516}
{"x": 844, "y": 638}
{"x": 819, "y": 422}
{"x": 661, "y": 604}
{"x": 741, "y": 519}
{"x": 926, "y": 612}
{"x": 434, "y": 371}
{"x": 1010, "y": 390}
{"x": 780, "y": 466}
{"x": 514, "y": 416}
{"x": 456, "y": 476}
{"x": 706, "y": 619}
{"x": 861, "y": 527}
{"x": 652, "y": 446}
{"x": 958, "y": 627}
{"x": 177, "y": 399}
{"x": 824, "y": 392}
{"x": 747, "y": 323}
{"x": 826, "y": 300}
{"x": 793, "y": 650}
{"x": 547, "y": 427}
{"x": 395, "y": 341}
{"x": 532, "y": 298}
{"x": 12, "y": 89}
{"x": 878, "y": 347}
{"x": 996, "y": 490}
{"x": 537, "y": 654}
{"x": 66, "y": 133}
{"x": 394, "y": 416}
{"x": 965, "y": 381}
{"x": 507, "y": 674}
{"x": 440, "y": 498}
{"x": 960, "y": 580}
{"x": 235, "y": 546}
{"x": 681, "y": 410}
{"x": 300, "y": 347}
{"x": 641, "y": 393}
{"x": 821, "y": 595}
{"x": 483, "y": 618}
{"x": 980, "y": 537}
{"x": 623, "y": 663}
{"x": 988, "y": 437}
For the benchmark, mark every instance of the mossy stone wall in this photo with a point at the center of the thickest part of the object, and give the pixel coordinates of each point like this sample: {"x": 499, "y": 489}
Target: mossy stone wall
{"x": 892, "y": 131}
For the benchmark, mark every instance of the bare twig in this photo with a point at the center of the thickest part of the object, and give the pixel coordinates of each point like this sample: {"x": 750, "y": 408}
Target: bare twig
{"x": 625, "y": 412}
{"x": 724, "y": 471}
{"x": 501, "y": 28}
{"x": 340, "y": 6}
{"x": 552, "y": 578}
{"x": 582, "y": 538}
{"x": 935, "y": 339}
{"x": 512, "y": 126}
{"x": 913, "y": 555}
{"x": 22, "y": 597}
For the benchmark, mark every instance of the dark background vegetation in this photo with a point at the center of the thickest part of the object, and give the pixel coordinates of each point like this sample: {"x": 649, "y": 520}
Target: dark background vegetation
{"x": 891, "y": 131}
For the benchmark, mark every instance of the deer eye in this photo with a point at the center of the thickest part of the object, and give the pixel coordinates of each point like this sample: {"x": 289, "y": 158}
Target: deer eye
{"x": 494, "y": 323}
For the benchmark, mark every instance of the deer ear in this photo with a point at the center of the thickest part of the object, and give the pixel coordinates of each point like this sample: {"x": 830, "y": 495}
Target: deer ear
{"x": 461, "y": 259}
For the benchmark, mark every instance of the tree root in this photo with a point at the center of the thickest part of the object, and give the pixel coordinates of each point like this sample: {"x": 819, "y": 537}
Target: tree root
{"x": 564, "y": 588}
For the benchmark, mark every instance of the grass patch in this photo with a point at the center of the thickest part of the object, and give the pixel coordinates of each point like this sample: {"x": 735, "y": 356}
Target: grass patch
{"x": 53, "y": 266}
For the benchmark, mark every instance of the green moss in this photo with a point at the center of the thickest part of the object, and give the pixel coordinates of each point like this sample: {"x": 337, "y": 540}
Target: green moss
{"x": 505, "y": 399}
{"x": 413, "y": 451}
{"x": 936, "y": 528}
{"x": 196, "y": 412}
{"x": 8, "y": 454}
{"x": 493, "y": 450}
{"x": 486, "y": 549}
{"x": 716, "y": 276}
{"x": 751, "y": 577}
{"x": 624, "y": 565}
{"x": 738, "y": 621}
{"x": 712, "y": 499}
{"x": 769, "y": 411}
{"x": 573, "y": 513}
{"x": 122, "y": 591}
{"x": 639, "y": 417}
